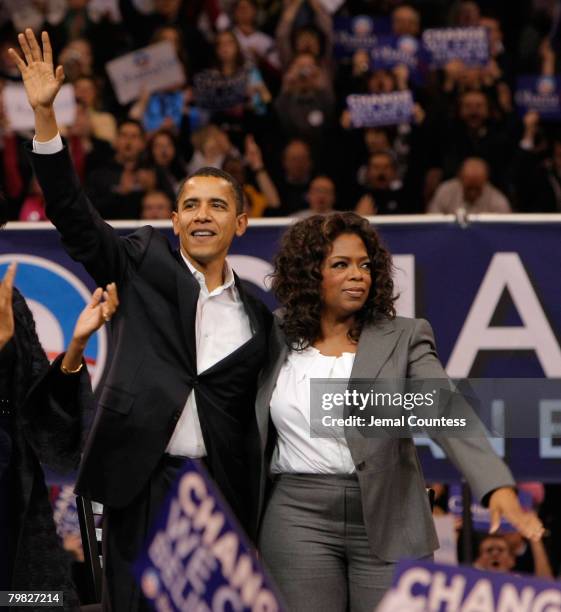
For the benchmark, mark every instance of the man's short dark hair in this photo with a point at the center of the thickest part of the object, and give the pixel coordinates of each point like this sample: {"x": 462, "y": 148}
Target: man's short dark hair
{"x": 128, "y": 121}
{"x": 217, "y": 173}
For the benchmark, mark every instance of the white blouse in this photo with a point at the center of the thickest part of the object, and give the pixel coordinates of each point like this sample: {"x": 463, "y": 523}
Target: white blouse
{"x": 296, "y": 451}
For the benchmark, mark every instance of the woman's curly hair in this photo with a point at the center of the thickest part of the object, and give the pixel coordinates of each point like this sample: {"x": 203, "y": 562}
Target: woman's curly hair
{"x": 297, "y": 276}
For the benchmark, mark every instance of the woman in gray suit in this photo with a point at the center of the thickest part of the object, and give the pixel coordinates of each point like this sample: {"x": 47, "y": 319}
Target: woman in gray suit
{"x": 342, "y": 511}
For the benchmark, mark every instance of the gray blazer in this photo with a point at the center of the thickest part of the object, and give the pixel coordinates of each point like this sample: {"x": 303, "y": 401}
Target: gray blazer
{"x": 396, "y": 510}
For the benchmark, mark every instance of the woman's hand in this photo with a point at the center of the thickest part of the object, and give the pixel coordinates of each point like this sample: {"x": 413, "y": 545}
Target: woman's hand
{"x": 504, "y": 503}
{"x": 6, "y": 311}
{"x": 101, "y": 308}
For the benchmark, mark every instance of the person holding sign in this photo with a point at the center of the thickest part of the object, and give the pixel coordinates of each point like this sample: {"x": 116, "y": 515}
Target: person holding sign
{"x": 41, "y": 413}
{"x": 343, "y": 510}
{"x": 189, "y": 343}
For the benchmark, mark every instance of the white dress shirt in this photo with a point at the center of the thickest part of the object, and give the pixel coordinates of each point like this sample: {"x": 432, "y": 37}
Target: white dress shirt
{"x": 221, "y": 327}
{"x": 54, "y": 145}
{"x": 296, "y": 451}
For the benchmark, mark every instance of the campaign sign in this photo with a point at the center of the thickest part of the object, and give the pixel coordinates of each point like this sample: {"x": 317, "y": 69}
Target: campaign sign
{"x": 470, "y": 45}
{"x": 20, "y": 114}
{"x": 162, "y": 105}
{"x": 380, "y": 109}
{"x": 391, "y": 51}
{"x": 214, "y": 91}
{"x": 541, "y": 94}
{"x": 149, "y": 69}
{"x": 423, "y": 586}
{"x": 480, "y": 515}
{"x": 353, "y": 33}
{"x": 198, "y": 557}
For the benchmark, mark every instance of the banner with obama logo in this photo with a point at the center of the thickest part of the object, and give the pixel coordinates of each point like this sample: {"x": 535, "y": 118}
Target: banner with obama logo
{"x": 490, "y": 290}
{"x": 56, "y": 297}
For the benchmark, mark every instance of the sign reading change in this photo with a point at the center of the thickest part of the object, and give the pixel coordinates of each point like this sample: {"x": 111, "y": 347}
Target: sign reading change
{"x": 198, "y": 558}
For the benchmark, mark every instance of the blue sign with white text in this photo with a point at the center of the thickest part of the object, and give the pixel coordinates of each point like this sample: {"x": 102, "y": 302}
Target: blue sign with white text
{"x": 423, "y": 587}
{"x": 541, "y": 94}
{"x": 197, "y": 557}
{"x": 470, "y": 45}
{"x": 351, "y": 34}
{"x": 370, "y": 110}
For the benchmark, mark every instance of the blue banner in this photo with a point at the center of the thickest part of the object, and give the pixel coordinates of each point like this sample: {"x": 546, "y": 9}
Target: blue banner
{"x": 490, "y": 290}
{"x": 541, "y": 94}
{"x": 353, "y": 33}
{"x": 197, "y": 557}
{"x": 470, "y": 45}
{"x": 370, "y": 110}
{"x": 428, "y": 586}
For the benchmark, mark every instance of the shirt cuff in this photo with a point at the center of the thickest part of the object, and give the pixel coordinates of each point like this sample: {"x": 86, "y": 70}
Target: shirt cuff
{"x": 54, "y": 145}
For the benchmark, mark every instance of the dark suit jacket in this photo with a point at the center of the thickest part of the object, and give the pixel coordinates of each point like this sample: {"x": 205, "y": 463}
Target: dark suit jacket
{"x": 395, "y": 505}
{"x": 154, "y": 363}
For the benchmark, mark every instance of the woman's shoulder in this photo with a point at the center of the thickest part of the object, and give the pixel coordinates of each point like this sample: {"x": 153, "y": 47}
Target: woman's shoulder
{"x": 399, "y": 323}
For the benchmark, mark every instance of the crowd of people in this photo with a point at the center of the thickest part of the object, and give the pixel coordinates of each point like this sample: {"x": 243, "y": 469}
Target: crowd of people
{"x": 289, "y": 139}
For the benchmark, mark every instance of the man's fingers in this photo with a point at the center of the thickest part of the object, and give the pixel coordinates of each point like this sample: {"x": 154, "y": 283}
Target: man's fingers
{"x": 59, "y": 74}
{"x": 34, "y": 45}
{"x": 17, "y": 60}
{"x": 47, "y": 50}
{"x": 25, "y": 48}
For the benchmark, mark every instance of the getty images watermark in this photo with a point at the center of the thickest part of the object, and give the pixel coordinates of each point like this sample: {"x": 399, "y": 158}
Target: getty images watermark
{"x": 516, "y": 408}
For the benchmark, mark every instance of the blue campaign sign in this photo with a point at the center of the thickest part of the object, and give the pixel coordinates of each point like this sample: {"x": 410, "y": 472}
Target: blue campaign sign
{"x": 490, "y": 290}
{"x": 423, "y": 586}
{"x": 370, "y": 110}
{"x": 353, "y": 33}
{"x": 391, "y": 51}
{"x": 470, "y": 45}
{"x": 198, "y": 558}
{"x": 541, "y": 94}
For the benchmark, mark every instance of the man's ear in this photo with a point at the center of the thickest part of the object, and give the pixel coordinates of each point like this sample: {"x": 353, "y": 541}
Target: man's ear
{"x": 241, "y": 224}
{"x": 175, "y": 222}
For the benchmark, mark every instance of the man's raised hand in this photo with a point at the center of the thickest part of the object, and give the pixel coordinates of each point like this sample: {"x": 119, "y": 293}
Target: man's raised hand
{"x": 41, "y": 81}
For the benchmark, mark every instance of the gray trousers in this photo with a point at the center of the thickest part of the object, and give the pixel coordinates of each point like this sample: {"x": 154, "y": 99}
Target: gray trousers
{"x": 314, "y": 544}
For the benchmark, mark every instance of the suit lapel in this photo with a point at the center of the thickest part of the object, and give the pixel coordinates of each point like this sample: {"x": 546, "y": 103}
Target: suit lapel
{"x": 375, "y": 346}
{"x": 256, "y": 324}
{"x": 188, "y": 290}
{"x": 268, "y": 379}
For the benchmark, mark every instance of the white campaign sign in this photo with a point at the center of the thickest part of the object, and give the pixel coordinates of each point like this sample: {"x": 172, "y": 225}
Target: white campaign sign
{"x": 20, "y": 114}
{"x": 150, "y": 69}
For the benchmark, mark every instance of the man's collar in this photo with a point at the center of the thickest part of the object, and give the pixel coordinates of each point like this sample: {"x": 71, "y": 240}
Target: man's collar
{"x": 228, "y": 274}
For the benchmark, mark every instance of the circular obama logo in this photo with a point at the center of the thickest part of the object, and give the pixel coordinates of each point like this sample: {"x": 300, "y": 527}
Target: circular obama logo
{"x": 362, "y": 26}
{"x": 408, "y": 44}
{"x": 56, "y": 297}
{"x": 546, "y": 85}
{"x": 150, "y": 583}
